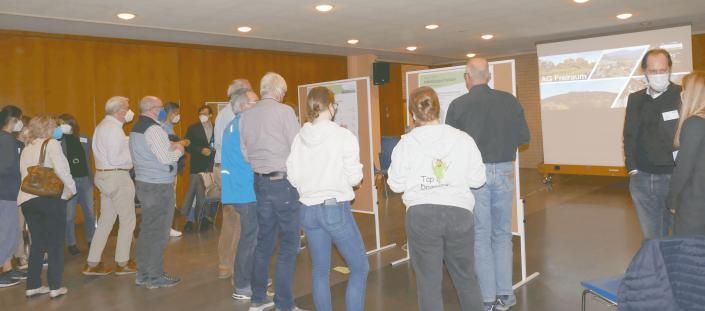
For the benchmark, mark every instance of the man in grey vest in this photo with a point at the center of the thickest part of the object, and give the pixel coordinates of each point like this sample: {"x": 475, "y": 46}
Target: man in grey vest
{"x": 154, "y": 158}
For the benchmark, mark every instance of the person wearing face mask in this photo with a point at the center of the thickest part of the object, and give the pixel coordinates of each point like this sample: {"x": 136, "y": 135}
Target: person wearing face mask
{"x": 77, "y": 150}
{"x": 168, "y": 117}
{"x": 155, "y": 159}
{"x": 324, "y": 166}
{"x": 45, "y": 215}
{"x": 200, "y": 134}
{"x": 10, "y": 178}
{"x": 649, "y": 132}
{"x": 113, "y": 163}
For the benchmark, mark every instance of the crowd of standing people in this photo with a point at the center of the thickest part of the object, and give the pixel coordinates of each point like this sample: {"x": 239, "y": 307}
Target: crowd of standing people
{"x": 278, "y": 178}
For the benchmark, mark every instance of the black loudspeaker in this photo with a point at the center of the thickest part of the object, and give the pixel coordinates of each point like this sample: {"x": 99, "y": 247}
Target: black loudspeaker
{"x": 380, "y": 73}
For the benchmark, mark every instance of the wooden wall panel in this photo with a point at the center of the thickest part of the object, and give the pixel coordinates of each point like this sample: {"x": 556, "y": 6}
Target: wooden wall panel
{"x": 75, "y": 74}
{"x": 69, "y": 69}
{"x": 22, "y": 73}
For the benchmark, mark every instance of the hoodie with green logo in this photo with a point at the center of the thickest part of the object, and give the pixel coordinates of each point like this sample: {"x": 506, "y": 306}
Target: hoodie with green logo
{"x": 437, "y": 164}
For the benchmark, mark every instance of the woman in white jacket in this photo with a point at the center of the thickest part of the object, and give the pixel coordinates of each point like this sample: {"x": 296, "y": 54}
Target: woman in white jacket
{"x": 324, "y": 166}
{"x": 435, "y": 166}
{"x": 46, "y": 216}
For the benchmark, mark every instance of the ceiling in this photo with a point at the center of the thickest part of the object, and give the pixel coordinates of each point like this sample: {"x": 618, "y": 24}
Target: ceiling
{"x": 384, "y": 27}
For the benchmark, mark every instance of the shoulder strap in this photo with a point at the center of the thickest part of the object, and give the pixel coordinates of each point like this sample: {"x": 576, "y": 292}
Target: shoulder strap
{"x": 42, "y": 153}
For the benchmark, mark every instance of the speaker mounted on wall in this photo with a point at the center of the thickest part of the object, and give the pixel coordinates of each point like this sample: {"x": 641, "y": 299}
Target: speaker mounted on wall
{"x": 380, "y": 73}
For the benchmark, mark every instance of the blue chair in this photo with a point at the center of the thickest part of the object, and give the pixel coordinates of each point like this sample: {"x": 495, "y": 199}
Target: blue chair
{"x": 605, "y": 289}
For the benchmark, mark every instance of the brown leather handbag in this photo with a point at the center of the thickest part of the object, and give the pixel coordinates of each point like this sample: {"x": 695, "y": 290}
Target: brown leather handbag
{"x": 42, "y": 181}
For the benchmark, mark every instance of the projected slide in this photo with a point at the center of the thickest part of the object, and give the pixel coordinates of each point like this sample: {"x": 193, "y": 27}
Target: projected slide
{"x": 585, "y": 85}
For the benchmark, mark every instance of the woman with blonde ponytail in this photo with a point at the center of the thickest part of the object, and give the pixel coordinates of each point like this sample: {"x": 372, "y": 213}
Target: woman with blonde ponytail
{"x": 687, "y": 196}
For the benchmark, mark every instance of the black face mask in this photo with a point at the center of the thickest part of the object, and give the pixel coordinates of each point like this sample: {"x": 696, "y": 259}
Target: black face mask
{"x": 334, "y": 113}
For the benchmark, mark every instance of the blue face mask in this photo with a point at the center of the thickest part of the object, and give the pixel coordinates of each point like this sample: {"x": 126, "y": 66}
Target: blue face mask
{"x": 57, "y": 133}
{"x": 162, "y": 115}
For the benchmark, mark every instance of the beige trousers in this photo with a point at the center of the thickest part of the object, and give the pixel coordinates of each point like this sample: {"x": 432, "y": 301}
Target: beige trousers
{"x": 117, "y": 199}
{"x": 229, "y": 237}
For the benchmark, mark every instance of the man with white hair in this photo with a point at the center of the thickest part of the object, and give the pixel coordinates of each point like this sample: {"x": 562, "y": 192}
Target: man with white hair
{"x": 267, "y": 131}
{"x": 225, "y": 116}
{"x": 495, "y": 119}
{"x": 117, "y": 191}
{"x": 238, "y": 197}
{"x": 155, "y": 159}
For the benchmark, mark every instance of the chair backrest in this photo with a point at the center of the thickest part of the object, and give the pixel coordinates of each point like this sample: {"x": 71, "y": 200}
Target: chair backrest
{"x": 385, "y": 156}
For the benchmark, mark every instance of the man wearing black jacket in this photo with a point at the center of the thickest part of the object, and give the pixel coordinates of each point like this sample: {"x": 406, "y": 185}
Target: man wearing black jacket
{"x": 200, "y": 134}
{"x": 649, "y": 132}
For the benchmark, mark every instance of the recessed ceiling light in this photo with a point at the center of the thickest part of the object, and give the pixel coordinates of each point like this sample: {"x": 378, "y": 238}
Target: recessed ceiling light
{"x": 244, "y": 29}
{"x": 624, "y": 16}
{"x": 411, "y": 48}
{"x": 353, "y": 41}
{"x": 470, "y": 55}
{"x": 126, "y": 16}
{"x": 580, "y": 1}
{"x": 324, "y": 7}
{"x": 432, "y": 27}
{"x": 487, "y": 36}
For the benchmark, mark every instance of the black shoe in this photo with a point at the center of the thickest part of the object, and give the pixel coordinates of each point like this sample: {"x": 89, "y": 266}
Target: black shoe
{"x": 73, "y": 250}
{"x": 16, "y": 274}
{"x": 205, "y": 224}
{"x": 188, "y": 227}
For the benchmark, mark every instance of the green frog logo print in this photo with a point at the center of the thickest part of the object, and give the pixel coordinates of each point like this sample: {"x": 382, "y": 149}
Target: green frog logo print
{"x": 439, "y": 169}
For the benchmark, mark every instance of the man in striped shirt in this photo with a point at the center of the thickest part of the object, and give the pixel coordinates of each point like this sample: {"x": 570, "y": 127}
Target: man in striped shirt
{"x": 155, "y": 161}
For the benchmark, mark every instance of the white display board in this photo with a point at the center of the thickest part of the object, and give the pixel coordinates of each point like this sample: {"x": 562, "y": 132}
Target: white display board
{"x": 346, "y": 99}
{"x": 449, "y": 84}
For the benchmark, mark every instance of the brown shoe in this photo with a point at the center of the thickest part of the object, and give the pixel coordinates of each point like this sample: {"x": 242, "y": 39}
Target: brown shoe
{"x": 99, "y": 269}
{"x": 224, "y": 273}
{"x": 129, "y": 268}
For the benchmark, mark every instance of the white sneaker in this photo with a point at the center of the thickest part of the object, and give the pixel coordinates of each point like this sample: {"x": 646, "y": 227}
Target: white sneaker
{"x": 37, "y": 291}
{"x": 58, "y": 292}
{"x": 175, "y": 233}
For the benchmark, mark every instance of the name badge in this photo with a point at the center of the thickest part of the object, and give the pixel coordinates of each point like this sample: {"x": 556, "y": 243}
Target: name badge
{"x": 83, "y": 140}
{"x": 670, "y": 115}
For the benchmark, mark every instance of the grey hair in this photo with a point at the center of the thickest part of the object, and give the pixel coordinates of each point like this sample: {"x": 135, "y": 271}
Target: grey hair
{"x": 114, "y": 104}
{"x": 238, "y": 84}
{"x": 148, "y": 102}
{"x": 273, "y": 85}
{"x": 239, "y": 98}
{"x": 478, "y": 74}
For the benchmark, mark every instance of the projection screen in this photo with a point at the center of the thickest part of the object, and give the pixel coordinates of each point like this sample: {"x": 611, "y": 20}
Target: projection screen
{"x": 584, "y": 87}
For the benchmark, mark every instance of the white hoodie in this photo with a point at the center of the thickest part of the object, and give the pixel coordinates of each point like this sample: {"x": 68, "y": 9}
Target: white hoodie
{"x": 436, "y": 164}
{"x": 324, "y": 163}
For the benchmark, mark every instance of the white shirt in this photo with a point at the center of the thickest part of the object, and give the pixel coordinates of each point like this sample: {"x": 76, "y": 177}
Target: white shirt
{"x": 436, "y": 164}
{"x": 111, "y": 148}
{"x": 54, "y": 158}
{"x": 324, "y": 163}
{"x": 225, "y": 116}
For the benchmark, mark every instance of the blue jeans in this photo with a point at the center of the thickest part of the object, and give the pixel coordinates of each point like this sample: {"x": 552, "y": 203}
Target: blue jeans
{"x": 493, "y": 231}
{"x": 325, "y": 224}
{"x": 277, "y": 216}
{"x": 649, "y": 192}
{"x": 84, "y": 187}
{"x": 244, "y": 259}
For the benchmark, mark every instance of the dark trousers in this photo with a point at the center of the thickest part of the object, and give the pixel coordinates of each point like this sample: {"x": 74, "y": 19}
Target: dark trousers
{"x": 46, "y": 218}
{"x": 277, "y": 217}
{"x": 436, "y": 234}
{"x": 157, "y": 201}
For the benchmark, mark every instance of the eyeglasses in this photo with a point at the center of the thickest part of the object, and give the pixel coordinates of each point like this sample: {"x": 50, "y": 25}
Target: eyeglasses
{"x": 657, "y": 71}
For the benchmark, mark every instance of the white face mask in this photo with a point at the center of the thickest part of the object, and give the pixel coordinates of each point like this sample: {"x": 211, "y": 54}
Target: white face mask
{"x": 65, "y": 128}
{"x": 176, "y": 118}
{"x": 659, "y": 82}
{"x": 129, "y": 115}
{"x": 203, "y": 118}
{"x": 18, "y": 126}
